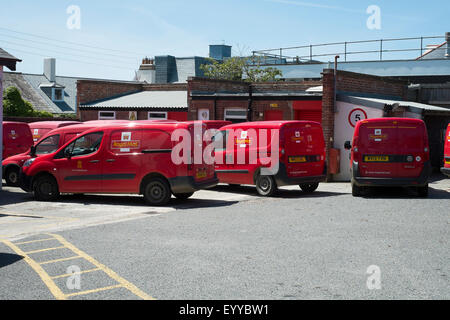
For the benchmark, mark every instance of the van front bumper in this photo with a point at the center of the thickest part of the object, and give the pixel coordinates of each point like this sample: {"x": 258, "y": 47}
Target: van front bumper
{"x": 25, "y": 181}
{"x": 419, "y": 181}
{"x": 188, "y": 184}
{"x": 282, "y": 178}
{"x": 446, "y": 171}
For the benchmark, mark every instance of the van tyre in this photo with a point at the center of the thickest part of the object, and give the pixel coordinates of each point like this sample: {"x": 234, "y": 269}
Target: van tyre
{"x": 356, "y": 191}
{"x": 265, "y": 185}
{"x": 45, "y": 188}
{"x": 157, "y": 192}
{"x": 423, "y": 191}
{"x": 309, "y": 187}
{"x": 12, "y": 177}
{"x": 183, "y": 196}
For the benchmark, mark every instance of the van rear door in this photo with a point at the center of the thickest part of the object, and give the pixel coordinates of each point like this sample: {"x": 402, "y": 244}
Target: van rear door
{"x": 198, "y": 168}
{"x": 378, "y": 149}
{"x": 304, "y": 149}
{"x": 412, "y": 144}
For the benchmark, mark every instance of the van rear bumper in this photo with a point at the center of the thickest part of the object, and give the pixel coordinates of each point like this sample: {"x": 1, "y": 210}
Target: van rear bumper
{"x": 282, "y": 178}
{"x": 445, "y": 171}
{"x": 419, "y": 181}
{"x": 188, "y": 184}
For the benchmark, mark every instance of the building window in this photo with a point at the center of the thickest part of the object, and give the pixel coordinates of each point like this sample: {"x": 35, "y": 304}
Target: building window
{"x": 157, "y": 116}
{"x": 57, "y": 94}
{"x": 235, "y": 115}
{"x": 106, "y": 115}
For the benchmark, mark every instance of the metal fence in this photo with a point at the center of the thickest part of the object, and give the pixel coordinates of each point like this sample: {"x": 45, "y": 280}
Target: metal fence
{"x": 381, "y": 50}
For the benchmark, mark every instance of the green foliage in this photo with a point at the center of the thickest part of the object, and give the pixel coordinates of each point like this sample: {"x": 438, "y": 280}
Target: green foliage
{"x": 238, "y": 69}
{"x": 15, "y": 106}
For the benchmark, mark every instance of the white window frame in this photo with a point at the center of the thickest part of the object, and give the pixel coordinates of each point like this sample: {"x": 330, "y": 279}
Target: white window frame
{"x": 54, "y": 95}
{"x": 158, "y": 118}
{"x": 100, "y": 117}
{"x": 225, "y": 117}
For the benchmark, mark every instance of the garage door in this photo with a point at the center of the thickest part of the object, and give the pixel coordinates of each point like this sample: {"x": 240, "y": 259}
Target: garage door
{"x": 310, "y": 110}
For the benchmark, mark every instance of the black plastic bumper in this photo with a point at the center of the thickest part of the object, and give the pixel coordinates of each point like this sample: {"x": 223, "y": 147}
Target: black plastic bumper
{"x": 188, "y": 184}
{"x": 419, "y": 181}
{"x": 282, "y": 178}
{"x": 25, "y": 182}
{"x": 446, "y": 171}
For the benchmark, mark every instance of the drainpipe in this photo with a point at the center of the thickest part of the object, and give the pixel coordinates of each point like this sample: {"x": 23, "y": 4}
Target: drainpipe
{"x": 447, "y": 38}
{"x": 249, "y": 110}
{"x": 335, "y": 81}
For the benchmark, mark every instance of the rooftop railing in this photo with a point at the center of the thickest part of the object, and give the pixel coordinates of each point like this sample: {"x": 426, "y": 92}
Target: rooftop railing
{"x": 365, "y": 50}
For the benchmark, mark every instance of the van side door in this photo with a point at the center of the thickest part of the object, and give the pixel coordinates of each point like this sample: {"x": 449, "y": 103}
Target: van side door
{"x": 78, "y": 166}
{"x": 122, "y": 161}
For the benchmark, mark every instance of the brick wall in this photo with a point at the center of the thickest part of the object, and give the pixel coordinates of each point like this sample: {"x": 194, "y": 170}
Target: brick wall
{"x": 328, "y": 109}
{"x": 92, "y": 90}
{"x": 369, "y": 84}
{"x": 284, "y": 86}
{"x": 165, "y": 87}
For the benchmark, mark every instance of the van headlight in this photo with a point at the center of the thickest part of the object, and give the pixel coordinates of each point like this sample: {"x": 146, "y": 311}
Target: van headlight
{"x": 29, "y": 162}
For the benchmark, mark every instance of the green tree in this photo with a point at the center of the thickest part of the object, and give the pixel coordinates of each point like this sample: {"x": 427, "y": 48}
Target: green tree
{"x": 238, "y": 69}
{"x": 15, "y": 105}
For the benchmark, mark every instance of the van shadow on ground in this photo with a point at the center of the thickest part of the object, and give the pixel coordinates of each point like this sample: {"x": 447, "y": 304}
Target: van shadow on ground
{"x": 280, "y": 193}
{"x": 402, "y": 193}
{"x": 8, "y": 258}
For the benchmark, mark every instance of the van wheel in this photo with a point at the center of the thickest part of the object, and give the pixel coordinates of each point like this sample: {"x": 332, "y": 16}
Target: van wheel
{"x": 356, "y": 191}
{"x": 265, "y": 185}
{"x": 309, "y": 187}
{"x": 157, "y": 192}
{"x": 423, "y": 191}
{"x": 12, "y": 177}
{"x": 183, "y": 196}
{"x": 45, "y": 188}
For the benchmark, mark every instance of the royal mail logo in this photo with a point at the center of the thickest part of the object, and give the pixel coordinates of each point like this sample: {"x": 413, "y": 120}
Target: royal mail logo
{"x": 244, "y": 141}
{"x": 119, "y": 144}
{"x": 378, "y": 137}
{"x": 13, "y": 135}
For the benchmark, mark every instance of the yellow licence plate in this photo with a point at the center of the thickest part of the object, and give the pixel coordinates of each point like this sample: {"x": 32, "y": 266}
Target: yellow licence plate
{"x": 376, "y": 158}
{"x": 297, "y": 159}
{"x": 201, "y": 174}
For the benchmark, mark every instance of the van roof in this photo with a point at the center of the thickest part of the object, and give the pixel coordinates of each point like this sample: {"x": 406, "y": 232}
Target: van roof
{"x": 15, "y": 123}
{"x": 401, "y": 120}
{"x": 47, "y": 124}
{"x": 267, "y": 124}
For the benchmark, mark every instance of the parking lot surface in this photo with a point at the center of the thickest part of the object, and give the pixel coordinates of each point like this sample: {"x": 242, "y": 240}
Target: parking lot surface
{"x": 228, "y": 243}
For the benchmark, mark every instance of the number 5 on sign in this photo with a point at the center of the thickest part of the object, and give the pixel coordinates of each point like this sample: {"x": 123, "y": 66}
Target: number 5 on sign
{"x": 356, "y": 115}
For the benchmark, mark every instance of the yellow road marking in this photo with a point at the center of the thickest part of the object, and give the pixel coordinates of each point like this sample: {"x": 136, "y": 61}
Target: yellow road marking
{"x": 70, "y": 274}
{"x": 94, "y": 290}
{"x": 59, "y": 260}
{"x": 131, "y": 287}
{"x": 57, "y": 293}
{"x": 43, "y": 250}
{"x": 32, "y": 241}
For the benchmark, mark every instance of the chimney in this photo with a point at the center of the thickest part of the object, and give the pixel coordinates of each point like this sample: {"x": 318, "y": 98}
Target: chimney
{"x": 147, "y": 71}
{"x": 50, "y": 69}
{"x": 447, "y": 38}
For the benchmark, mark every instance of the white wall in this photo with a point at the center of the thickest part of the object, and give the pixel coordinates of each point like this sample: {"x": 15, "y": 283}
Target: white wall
{"x": 343, "y": 131}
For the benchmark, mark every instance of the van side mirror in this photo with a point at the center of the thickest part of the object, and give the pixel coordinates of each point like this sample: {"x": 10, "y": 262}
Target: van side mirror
{"x": 347, "y": 145}
{"x": 33, "y": 151}
{"x": 67, "y": 153}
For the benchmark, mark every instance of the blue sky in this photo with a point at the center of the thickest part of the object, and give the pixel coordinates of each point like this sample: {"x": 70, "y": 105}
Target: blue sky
{"x": 115, "y": 35}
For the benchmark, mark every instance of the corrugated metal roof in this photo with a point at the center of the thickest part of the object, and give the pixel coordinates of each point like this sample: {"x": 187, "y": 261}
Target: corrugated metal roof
{"x": 145, "y": 99}
{"x": 415, "y": 107}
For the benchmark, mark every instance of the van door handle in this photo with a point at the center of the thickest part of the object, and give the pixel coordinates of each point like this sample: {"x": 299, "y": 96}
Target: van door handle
{"x": 94, "y": 161}
{"x": 110, "y": 160}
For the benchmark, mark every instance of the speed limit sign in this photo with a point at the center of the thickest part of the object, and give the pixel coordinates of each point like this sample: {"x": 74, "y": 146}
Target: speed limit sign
{"x": 356, "y": 115}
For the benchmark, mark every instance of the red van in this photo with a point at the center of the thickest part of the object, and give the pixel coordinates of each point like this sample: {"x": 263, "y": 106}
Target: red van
{"x": 390, "y": 152}
{"x": 41, "y": 128}
{"x": 446, "y": 168}
{"x": 299, "y": 150}
{"x": 121, "y": 158}
{"x": 16, "y": 138}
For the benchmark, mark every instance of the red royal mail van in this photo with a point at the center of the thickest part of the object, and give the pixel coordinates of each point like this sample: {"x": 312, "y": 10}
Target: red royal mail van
{"x": 51, "y": 142}
{"x": 41, "y": 128}
{"x": 390, "y": 152}
{"x": 120, "y": 158}
{"x": 446, "y": 168}
{"x": 300, "y": 155}
{"x": 16, "y": 138}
